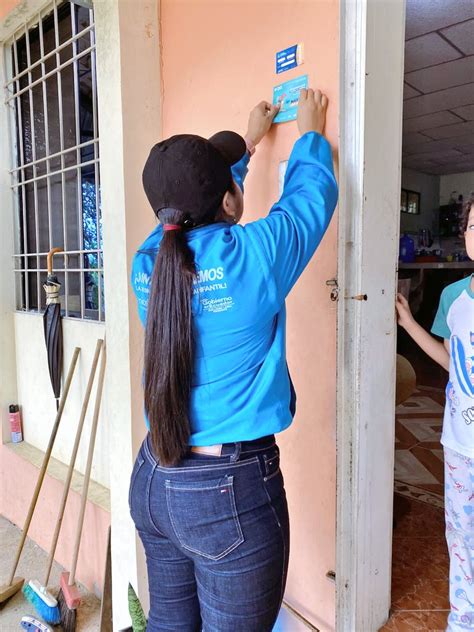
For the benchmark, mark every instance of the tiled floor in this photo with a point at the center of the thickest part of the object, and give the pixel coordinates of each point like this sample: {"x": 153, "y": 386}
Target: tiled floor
{"x": 420, "y": 557}
{"x": 420, "y": 568}
{"x": 418, "y": 453}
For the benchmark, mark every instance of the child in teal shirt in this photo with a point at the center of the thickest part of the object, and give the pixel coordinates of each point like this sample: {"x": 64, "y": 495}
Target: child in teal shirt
{"x": 454, "y": 323}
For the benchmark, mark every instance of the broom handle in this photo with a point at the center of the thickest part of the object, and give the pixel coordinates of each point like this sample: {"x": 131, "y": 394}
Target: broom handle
{"x": 67, "y": 483}
{"x": 46, "y": 458}
{"x": 87, "y": 474}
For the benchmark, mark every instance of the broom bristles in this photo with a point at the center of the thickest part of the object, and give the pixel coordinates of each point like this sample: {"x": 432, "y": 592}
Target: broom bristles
{"x": 48, "y": 613}
{"x": 67, "y": 615}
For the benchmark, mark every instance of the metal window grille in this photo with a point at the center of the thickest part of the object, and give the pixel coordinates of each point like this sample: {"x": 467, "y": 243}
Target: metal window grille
{"x": 51, "y": 93}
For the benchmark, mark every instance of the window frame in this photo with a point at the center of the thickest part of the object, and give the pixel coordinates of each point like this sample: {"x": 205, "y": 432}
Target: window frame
{"x": 18, "y": 166}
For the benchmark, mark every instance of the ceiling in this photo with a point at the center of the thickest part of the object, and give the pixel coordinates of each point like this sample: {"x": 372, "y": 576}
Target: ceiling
{"x": 438, "y": 113}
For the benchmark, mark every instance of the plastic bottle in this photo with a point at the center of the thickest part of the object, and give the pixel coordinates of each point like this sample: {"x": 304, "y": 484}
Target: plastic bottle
{"x": 407, "y": 249}
{"x": 15, "y": 424}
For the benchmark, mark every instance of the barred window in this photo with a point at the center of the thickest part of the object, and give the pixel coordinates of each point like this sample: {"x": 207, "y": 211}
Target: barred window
{"x": 51, "y": 92}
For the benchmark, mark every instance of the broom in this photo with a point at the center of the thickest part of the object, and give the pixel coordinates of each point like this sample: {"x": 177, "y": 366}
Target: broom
{"x": 69, "y": 597}
{"x": 15, "y": 583}
{"x": 36, "y": 593}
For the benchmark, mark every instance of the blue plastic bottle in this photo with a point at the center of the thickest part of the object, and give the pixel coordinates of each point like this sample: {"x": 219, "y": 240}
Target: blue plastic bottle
{"x": 407, "y": 249}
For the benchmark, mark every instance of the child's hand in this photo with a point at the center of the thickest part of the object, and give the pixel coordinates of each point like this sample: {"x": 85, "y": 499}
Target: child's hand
{"x": 435, "y": 349}
{"x": 405, "y": 317}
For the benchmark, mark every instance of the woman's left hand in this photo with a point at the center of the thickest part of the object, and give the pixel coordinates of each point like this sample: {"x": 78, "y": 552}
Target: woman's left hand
{"x": 260, "y": 121}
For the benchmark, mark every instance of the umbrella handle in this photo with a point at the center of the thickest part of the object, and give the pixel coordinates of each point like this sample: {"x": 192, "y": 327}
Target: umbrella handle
{"x": 50, "y": 256}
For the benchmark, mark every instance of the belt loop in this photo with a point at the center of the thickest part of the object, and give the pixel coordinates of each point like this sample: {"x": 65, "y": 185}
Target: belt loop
{"x": 235, "y": 457}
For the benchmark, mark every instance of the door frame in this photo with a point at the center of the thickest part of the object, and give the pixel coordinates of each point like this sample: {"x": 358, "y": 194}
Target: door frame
{"x": 372, "y": 34}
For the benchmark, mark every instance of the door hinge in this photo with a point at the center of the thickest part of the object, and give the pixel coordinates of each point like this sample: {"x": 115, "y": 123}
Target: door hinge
{"x": 334, "y": 296}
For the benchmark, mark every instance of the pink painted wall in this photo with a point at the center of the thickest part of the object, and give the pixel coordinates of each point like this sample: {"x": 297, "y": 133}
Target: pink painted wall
{"x": 17, "y": 482}
{"x": 6, "y": 6}
{"x": 218, "y": 61}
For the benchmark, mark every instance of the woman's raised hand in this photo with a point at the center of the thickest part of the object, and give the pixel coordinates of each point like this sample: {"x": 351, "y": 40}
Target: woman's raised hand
{"x": 312, "y": 108}
{"x": 260, "y": 121}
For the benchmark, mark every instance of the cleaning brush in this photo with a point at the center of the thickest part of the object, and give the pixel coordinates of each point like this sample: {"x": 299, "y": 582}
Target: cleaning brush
{"x": 37, "y": 594}
{"x": 43, "y": 601}
{"x": 15, "y": 583}
{"x": 69, "y": 597}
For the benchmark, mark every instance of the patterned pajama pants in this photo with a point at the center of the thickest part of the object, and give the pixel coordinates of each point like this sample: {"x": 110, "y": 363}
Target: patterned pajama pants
{"x": 459, "y": 509}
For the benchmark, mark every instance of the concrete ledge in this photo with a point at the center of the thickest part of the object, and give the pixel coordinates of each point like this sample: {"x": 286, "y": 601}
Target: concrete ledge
{"x": 97, "y": 494}
{"x": 18, "y": 476}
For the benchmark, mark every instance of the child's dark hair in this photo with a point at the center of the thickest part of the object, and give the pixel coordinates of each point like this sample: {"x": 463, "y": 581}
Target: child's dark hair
{"x": 466, "y": 209}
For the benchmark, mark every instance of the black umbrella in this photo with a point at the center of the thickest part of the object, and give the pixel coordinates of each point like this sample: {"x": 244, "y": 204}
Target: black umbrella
{"x": 53, "y": 332}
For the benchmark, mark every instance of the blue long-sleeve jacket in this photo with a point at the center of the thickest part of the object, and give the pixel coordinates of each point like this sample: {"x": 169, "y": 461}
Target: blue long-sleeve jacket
{"x": 241, "y": 386}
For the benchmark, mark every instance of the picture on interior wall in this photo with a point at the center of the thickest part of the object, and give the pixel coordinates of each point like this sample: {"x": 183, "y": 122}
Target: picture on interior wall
{"x": 403, "y": 201}
{"x": 410, "y": 202}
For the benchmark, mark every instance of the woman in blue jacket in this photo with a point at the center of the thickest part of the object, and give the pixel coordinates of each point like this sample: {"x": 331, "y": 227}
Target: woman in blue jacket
{"x": 206, "y": 492}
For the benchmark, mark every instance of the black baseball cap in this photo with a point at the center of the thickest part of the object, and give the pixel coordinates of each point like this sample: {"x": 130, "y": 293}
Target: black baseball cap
{"x": 191, "y": 174}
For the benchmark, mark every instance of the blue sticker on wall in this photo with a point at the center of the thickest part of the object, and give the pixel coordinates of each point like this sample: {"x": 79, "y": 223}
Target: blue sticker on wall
{"x": 288, "y": 95}
{"x": 289, "y": 58}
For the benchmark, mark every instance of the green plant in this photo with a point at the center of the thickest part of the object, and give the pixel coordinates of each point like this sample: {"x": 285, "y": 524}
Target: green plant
{"x": 136, "y": 611}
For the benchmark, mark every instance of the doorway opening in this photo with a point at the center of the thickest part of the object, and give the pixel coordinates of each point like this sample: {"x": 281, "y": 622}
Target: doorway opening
{"x": 437, "y": 176}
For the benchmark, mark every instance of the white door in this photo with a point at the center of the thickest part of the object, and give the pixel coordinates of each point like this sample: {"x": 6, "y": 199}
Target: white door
{"x": 372, "y": 56}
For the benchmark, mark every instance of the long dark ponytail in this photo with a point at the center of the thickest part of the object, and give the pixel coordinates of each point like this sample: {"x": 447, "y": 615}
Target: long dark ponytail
{"x": 169, "y": 343}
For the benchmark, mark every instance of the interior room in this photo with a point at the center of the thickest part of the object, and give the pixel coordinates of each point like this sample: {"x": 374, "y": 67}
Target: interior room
{"x": 437, "y": 178}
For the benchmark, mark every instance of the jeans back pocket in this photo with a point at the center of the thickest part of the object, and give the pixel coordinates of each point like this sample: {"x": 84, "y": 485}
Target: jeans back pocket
{"x": 271, "y": 463}
{"x": 204, "y": 516}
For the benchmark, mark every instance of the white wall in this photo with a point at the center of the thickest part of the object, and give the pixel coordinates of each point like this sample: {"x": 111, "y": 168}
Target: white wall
{"x": 36, "y": 398}
{"x": 24, "y": 377}
{"x": 460, "y": 182}
{"x": 8, "y": 391}
{"x": 129, "y": 83}
{"x": 428, "y": 186}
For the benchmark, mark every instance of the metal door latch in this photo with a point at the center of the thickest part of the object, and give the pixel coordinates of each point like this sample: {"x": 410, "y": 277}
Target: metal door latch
{"x": 335, "y": 289}
{"x": 335, "y": 292}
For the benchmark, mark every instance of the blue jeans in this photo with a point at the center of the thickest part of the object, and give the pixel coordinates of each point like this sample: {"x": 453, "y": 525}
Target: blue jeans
{"x": 216, "y": 536}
